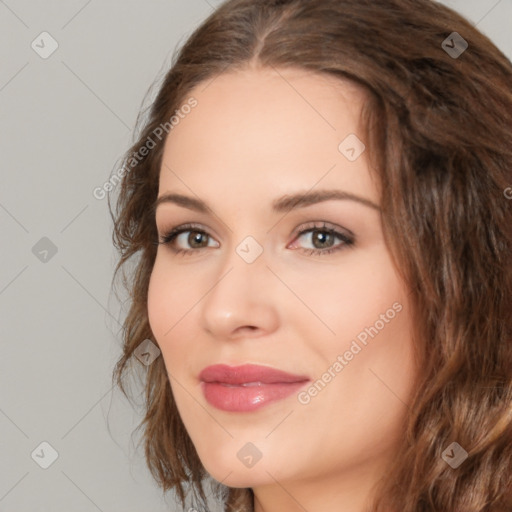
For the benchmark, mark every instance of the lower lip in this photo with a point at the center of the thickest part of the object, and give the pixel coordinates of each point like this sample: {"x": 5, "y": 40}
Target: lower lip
{"x": 246, "y": 398}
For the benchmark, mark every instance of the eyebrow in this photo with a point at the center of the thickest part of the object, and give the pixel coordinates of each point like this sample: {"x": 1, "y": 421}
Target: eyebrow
{"x": 282, "y": 204}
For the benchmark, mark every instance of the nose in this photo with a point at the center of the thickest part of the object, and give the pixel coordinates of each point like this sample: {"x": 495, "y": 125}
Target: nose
{"x": 242, "y": 301}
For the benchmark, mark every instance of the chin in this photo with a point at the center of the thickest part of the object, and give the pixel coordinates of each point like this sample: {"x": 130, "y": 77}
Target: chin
{"x": 234, "y": 474}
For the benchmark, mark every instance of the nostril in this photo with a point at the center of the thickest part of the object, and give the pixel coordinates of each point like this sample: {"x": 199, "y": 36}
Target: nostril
{"x": 250, "y": 327}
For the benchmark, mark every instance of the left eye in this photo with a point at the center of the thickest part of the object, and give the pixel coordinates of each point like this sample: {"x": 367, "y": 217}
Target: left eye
{"x": 322, "y": 240}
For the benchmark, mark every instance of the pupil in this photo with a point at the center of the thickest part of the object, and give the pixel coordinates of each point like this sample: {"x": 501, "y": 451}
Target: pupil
{"x": 195, "y": 238}
{"x": 322, "y": 236}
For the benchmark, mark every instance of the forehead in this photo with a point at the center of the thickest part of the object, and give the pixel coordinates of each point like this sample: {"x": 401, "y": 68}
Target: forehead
{"x": 267, "y": 130}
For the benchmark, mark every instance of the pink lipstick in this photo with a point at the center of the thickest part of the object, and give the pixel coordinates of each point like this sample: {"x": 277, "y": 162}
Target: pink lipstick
{"x": 248, "y": 387}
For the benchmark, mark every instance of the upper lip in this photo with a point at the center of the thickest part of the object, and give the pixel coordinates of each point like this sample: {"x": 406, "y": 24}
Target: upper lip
{"x": 246, "y": 373}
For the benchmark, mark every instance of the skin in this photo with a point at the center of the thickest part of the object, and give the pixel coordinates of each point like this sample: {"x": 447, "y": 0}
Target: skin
{"x": 256, "y": 135}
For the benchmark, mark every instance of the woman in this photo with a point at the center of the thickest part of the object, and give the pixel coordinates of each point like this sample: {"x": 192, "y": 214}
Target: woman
{"x": 340, "y": 336}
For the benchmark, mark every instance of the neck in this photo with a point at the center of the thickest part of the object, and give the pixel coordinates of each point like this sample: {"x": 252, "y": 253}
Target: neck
{"x": 348, "y": 491}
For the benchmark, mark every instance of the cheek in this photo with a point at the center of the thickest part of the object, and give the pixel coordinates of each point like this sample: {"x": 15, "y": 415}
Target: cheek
{"x": 172, "y": 301}
{"x": 365, "y": 305}
{"x": 170, "y": 296}
{"x": 349, "y": 296}
{"x": 363, "y": 397}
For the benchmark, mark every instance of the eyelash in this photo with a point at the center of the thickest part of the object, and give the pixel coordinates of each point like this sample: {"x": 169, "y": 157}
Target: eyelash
{"x": 348, "y": 241}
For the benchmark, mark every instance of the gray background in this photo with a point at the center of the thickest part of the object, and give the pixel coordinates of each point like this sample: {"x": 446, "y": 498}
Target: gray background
{"x": 64, "y": 123}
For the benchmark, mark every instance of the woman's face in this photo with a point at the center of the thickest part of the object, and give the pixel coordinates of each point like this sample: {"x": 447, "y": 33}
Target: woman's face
{"x": 326, "y": 306}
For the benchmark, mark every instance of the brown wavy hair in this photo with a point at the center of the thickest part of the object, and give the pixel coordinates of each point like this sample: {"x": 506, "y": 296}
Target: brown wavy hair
{"x": 440, "y": 129}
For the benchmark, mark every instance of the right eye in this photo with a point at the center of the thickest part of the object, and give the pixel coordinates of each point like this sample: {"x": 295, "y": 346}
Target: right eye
{"x": 195, "y": 238}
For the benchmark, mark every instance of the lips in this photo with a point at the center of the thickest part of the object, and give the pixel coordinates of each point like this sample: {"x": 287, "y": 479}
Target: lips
{"x": 248, "y": 387}
{"x": 249, "y": 373}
